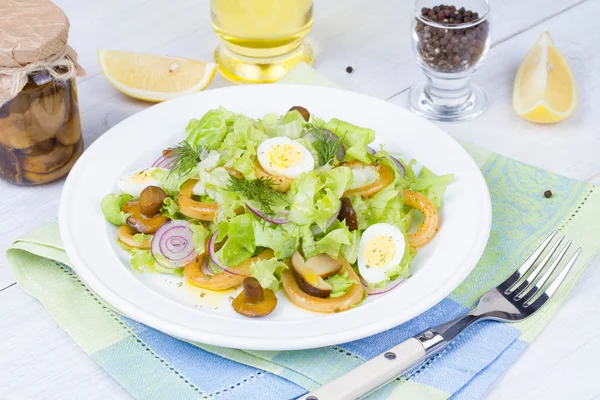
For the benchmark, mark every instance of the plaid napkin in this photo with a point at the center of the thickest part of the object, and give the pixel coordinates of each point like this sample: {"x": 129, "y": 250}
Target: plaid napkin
{"x": 152, "y": 365}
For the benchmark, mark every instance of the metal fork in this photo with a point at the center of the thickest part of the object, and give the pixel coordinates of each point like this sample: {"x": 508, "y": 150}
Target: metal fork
{"x": 518, "y": 297}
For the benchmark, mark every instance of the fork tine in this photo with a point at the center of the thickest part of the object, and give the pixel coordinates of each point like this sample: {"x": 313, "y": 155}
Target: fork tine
{"x": 534, "y": 293}
{"x": 532, "y": 278}
{"x": 563, "y": 274}
{"x": 521, "y": 273}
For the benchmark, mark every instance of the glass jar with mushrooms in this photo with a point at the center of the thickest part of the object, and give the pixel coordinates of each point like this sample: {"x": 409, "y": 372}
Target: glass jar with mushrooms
{"x": 40, "y": 128}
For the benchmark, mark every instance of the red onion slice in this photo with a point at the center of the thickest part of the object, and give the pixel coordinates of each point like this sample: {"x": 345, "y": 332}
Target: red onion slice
{"x": 213, "y": 255}
{"x": 172, "y": 245}
{"x": 315, "y": 229}
{"x": 372, "y": 151}
{"x": 374, "y": 292}
{"x": 165, "y": 161}
{"x": 258, "y": 213}
{"x": 332, "y": 136}
{"x": 204, "y": 268}
{"x": 399, "y": 165}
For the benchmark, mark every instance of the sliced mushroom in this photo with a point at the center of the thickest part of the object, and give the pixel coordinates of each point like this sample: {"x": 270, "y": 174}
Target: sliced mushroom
{"x": 254, "y": 301}
{"x": 47, "y": 162}
{"x": 40, "y": 148}
{"x": 10, "y": 169}
{"x": 347, "y": 213}
{"x": 351, "y": 298}
{"x": 192, "y": 208}
{"x": 139, "y": 222}
{"x": 324, "y": 265}
{"x": 303, "y": 111}
{"x": 14, "y": 133}
{"x": 70, "y": 133}
{"x": 47, "y": 114}
{"x": 38, "y": 179}
{"x": 307, "y": 279}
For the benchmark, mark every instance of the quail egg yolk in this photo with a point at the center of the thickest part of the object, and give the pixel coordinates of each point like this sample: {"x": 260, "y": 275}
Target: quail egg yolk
{"x": 285, "y": 155}
{"x": 379, "y": 251}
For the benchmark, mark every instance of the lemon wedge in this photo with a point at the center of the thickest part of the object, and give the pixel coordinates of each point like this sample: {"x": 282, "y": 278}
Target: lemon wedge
{"x": 544, "y": 89}
{"x": 154, "y": 78}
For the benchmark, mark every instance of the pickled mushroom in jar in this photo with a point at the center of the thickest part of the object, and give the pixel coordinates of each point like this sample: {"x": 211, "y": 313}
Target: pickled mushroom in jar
{"x": 48, "y": 113}
{"x": 40, "y": 133}
{"x": 37, "y": 178}
{"x": 48, "y": 161}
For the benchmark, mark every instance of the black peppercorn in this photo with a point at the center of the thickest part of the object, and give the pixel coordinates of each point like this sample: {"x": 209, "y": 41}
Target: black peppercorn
{"x": 548, "y": 194}
{"x": 349, "y": 69}
{"x": 450, "y": 49}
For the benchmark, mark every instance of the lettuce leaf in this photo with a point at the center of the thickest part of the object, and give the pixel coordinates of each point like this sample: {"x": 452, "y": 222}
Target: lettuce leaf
{"x": 215, "y": 184}
{"x": 268, "y": 273}
{"x": 354, "y": 138}
{"x": 340, "y": 284}
{"x": 199, "y": 236}
{"x": 432, "y": 185}
{"x": 112, "y": 205}
{"x": 141, "y": 237}
{"x": 244, "y": 163}
{"x": 240, "y": 244}
{"x": 337, "y": 179}
{"x": 384, "y": 206}
{"x": 281, "y": 242}
{"x": 209, "y": 131}
{"x": 172, "y": 183}
{"x": 350, "y": 251}
{"x": 332, "y": 243}
{"x": 243, "y": 135}
{"x": 290, "y": 125}
{"x": 170, "y": 208}
{"x": 310, "y": 201}
{"x": 403, "y": 269}
{"x": 142, "y": 260}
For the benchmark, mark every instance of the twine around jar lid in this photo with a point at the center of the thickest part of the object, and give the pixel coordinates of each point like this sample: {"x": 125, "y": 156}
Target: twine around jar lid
{"x": 33, "y": 37}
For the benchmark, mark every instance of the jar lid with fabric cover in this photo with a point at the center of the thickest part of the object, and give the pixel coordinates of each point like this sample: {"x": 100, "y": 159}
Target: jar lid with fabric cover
{"x": 40, "y": 129}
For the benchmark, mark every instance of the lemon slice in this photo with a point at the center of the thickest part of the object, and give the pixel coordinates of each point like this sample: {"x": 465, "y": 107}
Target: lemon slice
{"x": 154, "y": 78}
{"x": 544, "y": 90}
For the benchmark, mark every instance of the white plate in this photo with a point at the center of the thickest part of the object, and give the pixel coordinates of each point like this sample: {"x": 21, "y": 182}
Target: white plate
{"x": 162, "y": 303}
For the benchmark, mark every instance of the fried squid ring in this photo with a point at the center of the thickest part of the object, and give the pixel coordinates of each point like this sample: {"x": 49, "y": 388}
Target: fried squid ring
{"x": 222, "y": 280}
{"x": 280, "y": 184}
{"x": 126, "y": 233}
{"x": 431, "y": 222}
{"x": 192, "y": 208}
{"x": 386, "y": 177}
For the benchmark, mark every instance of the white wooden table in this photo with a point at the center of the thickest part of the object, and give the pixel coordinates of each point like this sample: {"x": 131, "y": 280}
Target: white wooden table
{"x": 39, "y": 361}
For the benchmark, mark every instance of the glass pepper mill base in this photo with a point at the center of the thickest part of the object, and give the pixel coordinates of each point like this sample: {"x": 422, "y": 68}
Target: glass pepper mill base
{"x": 448, "y": 100}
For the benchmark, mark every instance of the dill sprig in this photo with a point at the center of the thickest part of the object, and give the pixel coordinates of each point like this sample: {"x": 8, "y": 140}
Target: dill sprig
{"x": 325, "y": 143}
{"x": 259, "y": 191}
{"x": 186, "y": 158}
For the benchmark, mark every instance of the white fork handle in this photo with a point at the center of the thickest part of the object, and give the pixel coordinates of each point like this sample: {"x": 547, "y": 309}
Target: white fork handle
{"x": 372, "y": 374}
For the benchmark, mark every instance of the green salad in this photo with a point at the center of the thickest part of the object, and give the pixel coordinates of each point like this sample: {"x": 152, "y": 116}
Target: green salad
{"x": 287, "y": 202}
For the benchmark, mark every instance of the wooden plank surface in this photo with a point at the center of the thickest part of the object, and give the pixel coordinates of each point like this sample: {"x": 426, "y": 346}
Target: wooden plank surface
{"x": 43, "y": 362}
